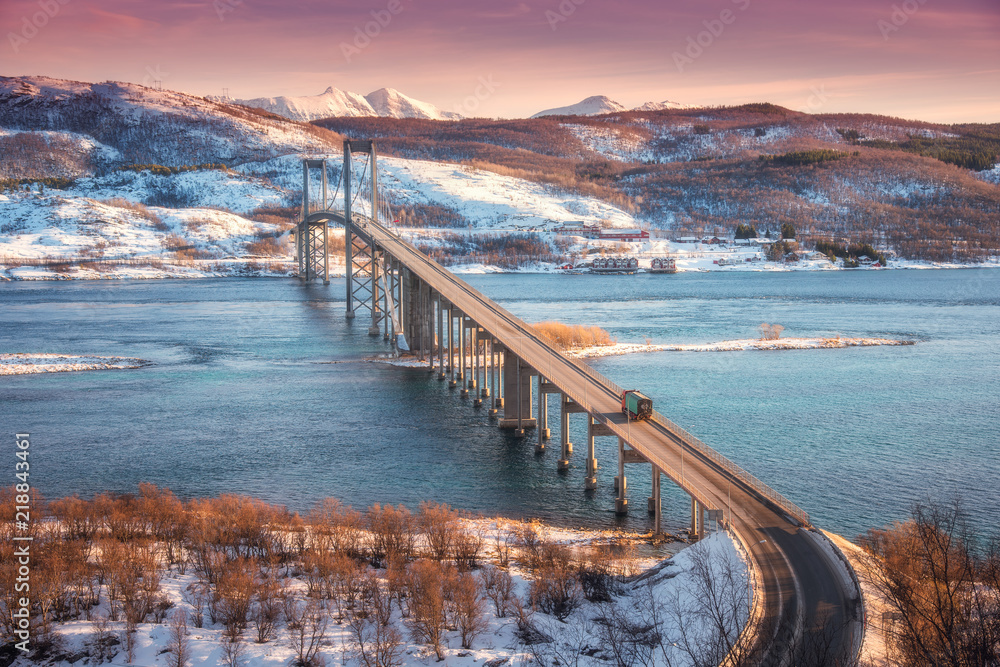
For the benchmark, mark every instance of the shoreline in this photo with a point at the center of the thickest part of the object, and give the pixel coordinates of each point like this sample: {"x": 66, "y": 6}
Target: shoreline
{"x": 188, "y": 272}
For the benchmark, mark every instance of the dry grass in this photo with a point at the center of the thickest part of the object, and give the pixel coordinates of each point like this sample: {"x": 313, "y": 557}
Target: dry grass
{"x": 573, "y": 336}
{"x": 268, "y": 247}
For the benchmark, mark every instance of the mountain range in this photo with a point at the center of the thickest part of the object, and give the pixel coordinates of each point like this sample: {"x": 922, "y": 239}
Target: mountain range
{"x": 333, "y": 102}
{"x": 600, "y": 104}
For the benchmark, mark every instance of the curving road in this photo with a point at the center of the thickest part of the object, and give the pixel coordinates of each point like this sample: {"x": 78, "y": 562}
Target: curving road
{"x": 810, "y": 614}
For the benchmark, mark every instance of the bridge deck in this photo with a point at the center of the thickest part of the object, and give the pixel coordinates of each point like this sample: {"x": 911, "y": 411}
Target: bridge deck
{"x": 801, "y": 590}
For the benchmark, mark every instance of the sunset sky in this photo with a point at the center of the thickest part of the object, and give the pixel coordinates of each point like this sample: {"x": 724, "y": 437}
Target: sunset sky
{"x": 922, "y": 59}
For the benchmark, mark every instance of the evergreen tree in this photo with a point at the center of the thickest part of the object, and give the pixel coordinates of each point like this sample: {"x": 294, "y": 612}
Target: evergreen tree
{"x": 788, "y": 231}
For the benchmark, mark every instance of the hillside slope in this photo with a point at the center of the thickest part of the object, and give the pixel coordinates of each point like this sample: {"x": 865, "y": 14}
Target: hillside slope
{"x": 139, "y": 125}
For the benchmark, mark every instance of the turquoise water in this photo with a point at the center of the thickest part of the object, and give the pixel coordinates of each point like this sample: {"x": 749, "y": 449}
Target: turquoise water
{"x": 242, "y": 397}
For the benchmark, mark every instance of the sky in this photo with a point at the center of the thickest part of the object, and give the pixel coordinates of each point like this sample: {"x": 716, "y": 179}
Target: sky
{"x": 918, "y": 59}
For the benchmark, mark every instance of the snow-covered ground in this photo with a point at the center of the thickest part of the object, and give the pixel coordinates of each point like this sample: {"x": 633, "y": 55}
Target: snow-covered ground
{"x": 116, "y": 217}
{"x": 670, "y": 595}
{"x": 28, "y": 364}
{"x": 735, "y": 345}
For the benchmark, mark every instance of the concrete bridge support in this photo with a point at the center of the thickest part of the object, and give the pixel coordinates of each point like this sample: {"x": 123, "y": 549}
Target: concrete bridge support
{"x": 517, "y": 406}
{"x": 697, "y": 520}
{"x": 474, "y": 361}
{"x": 654, "y": 502}
{"x": 486, "y": 387}
{"x": 496, "y": 353}
{"x": 440, "y": 328}
{"x": 621, "y": 503}
{"x": 566, "y": 408}
{"x": 461, "y": 354}
{"x": 452, "y": 380}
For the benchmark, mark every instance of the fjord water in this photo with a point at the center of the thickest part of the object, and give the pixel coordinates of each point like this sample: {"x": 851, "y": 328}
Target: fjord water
{"x": 259, "y": 387}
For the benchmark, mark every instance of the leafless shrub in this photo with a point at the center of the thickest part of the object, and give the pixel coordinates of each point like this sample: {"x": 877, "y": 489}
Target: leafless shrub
{"x": 266, "y": 611}
{"x": 268, "y": 247}
{"x": 378, "y": 641}
{"x": 178, "y": 648}
{"x": 504, "y": 539}
{"x": 234, "y": 593}
{"x": 556, "y": 589}
{"x": 529, "y": 544}
{"x": 469, "y": 607}
{"x": 232, "y": 647}
{"x": 196, "y": 595}
{"x": 628, "y": 640}
{"x": 336, "y": 527}
{"x": 770, "y": 331}
{"x": 398, "y": 583}
{"x": 101, "y": 639}
{"x": 427, "y": 604}
{"x": 468, "y": 547}
{"x": 943, "y": 589}
{"x": 307, "y": 624}
{"x": 391, "y": 533}
{"x": 439, "y": 524}
{"x": 499, "y": 587}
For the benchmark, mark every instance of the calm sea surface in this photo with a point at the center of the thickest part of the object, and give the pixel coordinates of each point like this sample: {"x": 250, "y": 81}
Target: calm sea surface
{"x": 243, "y": 397}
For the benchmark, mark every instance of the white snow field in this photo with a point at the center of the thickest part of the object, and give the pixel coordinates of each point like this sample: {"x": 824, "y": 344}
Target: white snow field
{"x": 28, "y": 364}
{"x": 673, "y": 595}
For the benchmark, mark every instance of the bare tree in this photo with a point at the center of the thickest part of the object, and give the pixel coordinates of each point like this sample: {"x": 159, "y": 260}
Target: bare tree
{"x": 499, "y": 587}
{"x": 934, "y": 579}
{"x": 307, "y": 624}
{"x": 469, "y": 607}
{"x": 378, "y": 640}
{"x": 770, "y": 331}
{"x": 439, "y": 524}
{"x": 178, "y": 646}
{"x": 427, "y": 604}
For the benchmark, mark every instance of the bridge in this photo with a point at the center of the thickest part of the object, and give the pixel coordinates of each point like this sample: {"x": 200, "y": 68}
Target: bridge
{"x": 806, "y": 604}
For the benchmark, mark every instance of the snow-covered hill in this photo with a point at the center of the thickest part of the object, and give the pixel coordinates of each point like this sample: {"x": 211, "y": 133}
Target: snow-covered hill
{"x": 391, "y": 103}
{"x": 333, "y": 102}
{"x": 601, "y": 104}
{"x": 592, "y": 106}
{"x": 662, "y": 106}
{"x": 143, "y": 125}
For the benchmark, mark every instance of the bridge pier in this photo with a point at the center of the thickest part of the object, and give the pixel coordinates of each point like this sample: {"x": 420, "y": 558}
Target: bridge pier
{"x": 697, "y": 530}
{"x": 621, "y": 503}
{"x": 566, "y": 407}
{"x": 654, "y": 502}
{"x": 540, "y": 445}
{"x": 440, "y": 326}
{"x": 461, "y": 354}
{"x": 484, "y": 392}
{"x": 452, "y": 382}
{"x": 517, "y": 403}
{"x": 476, "y": 367}
{"x": 495, "y": 353}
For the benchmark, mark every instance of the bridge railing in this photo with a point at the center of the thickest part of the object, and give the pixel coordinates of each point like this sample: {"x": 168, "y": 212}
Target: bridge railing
{"x": 688, "y": 440}
{"x": 760, "y": 487}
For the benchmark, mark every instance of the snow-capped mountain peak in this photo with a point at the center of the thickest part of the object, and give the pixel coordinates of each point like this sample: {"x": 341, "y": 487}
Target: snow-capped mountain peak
{"x": 331, "y": 102}
{"x": 389, "y": 102}
{"x": 661, "y": 106}
{"x": 592, "y": 106}
{"x": 385, "y": 102}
